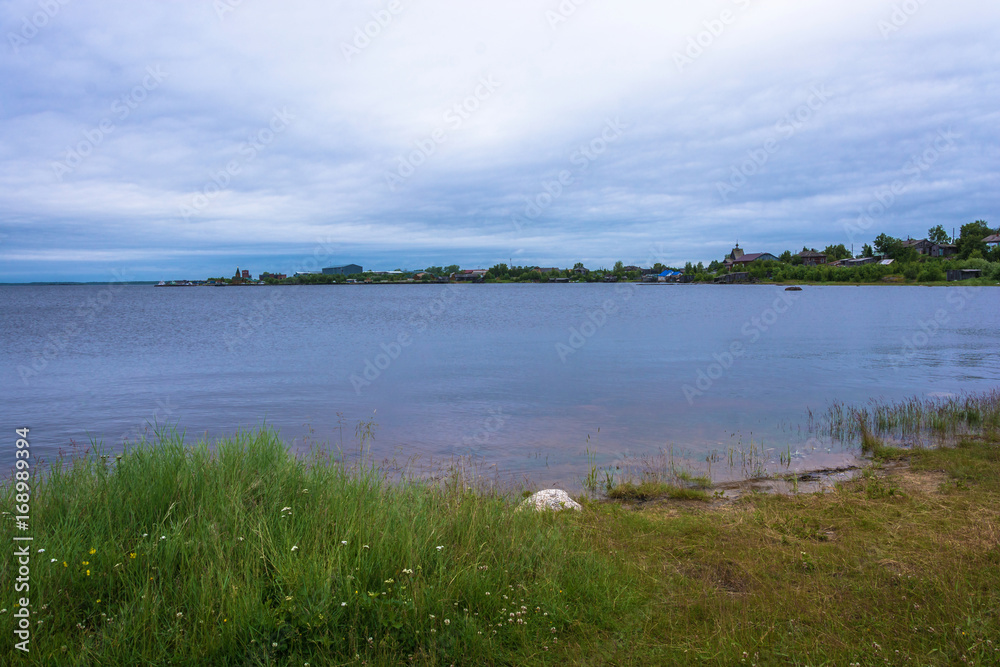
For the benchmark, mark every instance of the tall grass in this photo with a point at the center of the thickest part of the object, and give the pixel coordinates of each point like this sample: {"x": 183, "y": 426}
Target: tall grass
{"x": 243, "y": 554}
{"x": 916, "y": 421}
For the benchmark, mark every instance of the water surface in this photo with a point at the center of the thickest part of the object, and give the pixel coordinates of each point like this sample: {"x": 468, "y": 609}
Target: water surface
{"x": 525, "y": 377}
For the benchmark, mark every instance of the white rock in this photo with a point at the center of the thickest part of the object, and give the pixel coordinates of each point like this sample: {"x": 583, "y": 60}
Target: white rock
{"x": 551, "y": 499}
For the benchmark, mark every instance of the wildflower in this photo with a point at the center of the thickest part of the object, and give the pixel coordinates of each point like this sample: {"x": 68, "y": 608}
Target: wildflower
{"x": 53, "y": 560}
{"x": 85, "y": 562}
{"x": 93, "y": 551}
{"x": 285, "y": 508}
{"x": 439, "y": 548}
{"x": 288, "y": 598}
{"x": 179, "y": 614}
{"x": 88, "y": 573}
{"x": 41, "y": 551}
{"x": 64, "y": 564}
{"x": 145, "y": 534}
{"x": 344, "y": 542}
{"x": 240, "y": 539}
{"x": 98, "y": 601}
{"x": 407, "y": 571}
{"x": 225, "y": 620}
{"x": 447, "y": 621}
{"x": 163, "y": 537}
{"x": 365, "y": 546}
{"x": 295, "y": 548}
{"x": 343, "y": 604}
{"x": 274, "y": 644}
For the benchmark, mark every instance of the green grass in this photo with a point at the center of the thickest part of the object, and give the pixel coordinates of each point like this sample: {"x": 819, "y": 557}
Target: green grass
{"x": 650, "y": 490}
{"x": 233, "y": 555}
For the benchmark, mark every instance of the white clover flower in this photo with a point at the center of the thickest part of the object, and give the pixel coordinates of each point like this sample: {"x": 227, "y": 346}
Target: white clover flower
{"x": 344, "y": 542}
{"x": 41, "y": 551}
{"x": 163, "y": 537}
{"x": 145, "y": 534}
{"x": 53, "y": 560}
{"x": 295, "y": 548}
{"x": 447, "y": 621}
{"x": 439, "y": 548}
{"x": 285, "y": 508}
{"x": 343, "y": 604}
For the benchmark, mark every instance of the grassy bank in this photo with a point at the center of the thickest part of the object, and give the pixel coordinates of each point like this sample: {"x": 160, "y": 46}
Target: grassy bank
{"x": 241, "y": 554}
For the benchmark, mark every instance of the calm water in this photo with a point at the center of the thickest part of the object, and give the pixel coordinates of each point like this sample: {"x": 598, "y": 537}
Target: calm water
{"x": 492, "y": 370}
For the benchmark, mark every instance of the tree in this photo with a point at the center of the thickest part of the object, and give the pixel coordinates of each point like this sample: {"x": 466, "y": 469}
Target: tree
{"x": 453, "y": 268}
{"x": 785, "y": 257}
{"x": 970, "y": 238}
{"x": 659, "y": 268}
{"x": 937, "y": 234}
{"x": 578, "y": 265}
{"x": 835, "y": 252}
{"x": 500, "y": 271}
{"x": 887, "y": 245}
{"x": 434, "y": 270}
{"x": 866, "y": 251}
{"x": 619, "y": 268}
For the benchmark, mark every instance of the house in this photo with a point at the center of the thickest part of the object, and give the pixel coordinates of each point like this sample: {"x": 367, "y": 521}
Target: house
{"x": 469, "y": 276}
{"x": 245, "y": 274}
{"x": 739, "y": 258}
{"x": 931, "y": 249}
{"x": 274, "y": 276}
{"x": 633, "y": 269}
{"x": 964, "y": 274}
{"x": 859, "y": 261}
{"x": 810, "y": 258}
{"x": 992, "y": 239}
{"x": 733, "y": 278}
{"x": 751, "y": 257}
{"x": 346, "y": 270}
{"x": 581, "y": 271}
{"x": 422, "y": 275}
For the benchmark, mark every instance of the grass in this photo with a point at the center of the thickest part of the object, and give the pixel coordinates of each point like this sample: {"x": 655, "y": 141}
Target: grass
{"x": 916, "y": 420}
{"x": 651, "y": 490}
{"x": 235, "y": 555}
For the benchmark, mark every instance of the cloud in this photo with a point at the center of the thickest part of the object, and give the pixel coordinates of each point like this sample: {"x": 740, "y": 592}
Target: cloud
{"x": 152, "y": 108}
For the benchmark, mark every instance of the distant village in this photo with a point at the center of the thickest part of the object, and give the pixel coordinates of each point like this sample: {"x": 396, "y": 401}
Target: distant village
{"x": 914, "y": 259}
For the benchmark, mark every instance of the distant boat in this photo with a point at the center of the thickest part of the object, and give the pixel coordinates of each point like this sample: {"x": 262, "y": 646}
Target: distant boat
{"x": 161, "y": 284}
{"x": 793, "y": 288}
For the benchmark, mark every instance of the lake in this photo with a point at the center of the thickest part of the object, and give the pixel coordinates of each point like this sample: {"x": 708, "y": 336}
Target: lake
{"x": 526, "y": 378}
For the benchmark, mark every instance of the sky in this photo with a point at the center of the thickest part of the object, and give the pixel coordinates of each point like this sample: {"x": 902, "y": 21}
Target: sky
{"x": 162, "y": 140}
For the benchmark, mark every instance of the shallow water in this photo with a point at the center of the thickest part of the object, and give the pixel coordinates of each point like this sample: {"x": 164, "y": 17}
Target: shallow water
{"x": 526, "y": 378}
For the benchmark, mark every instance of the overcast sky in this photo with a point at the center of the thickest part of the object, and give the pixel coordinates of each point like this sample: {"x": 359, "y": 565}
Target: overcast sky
{"x": 151, "y": 140}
